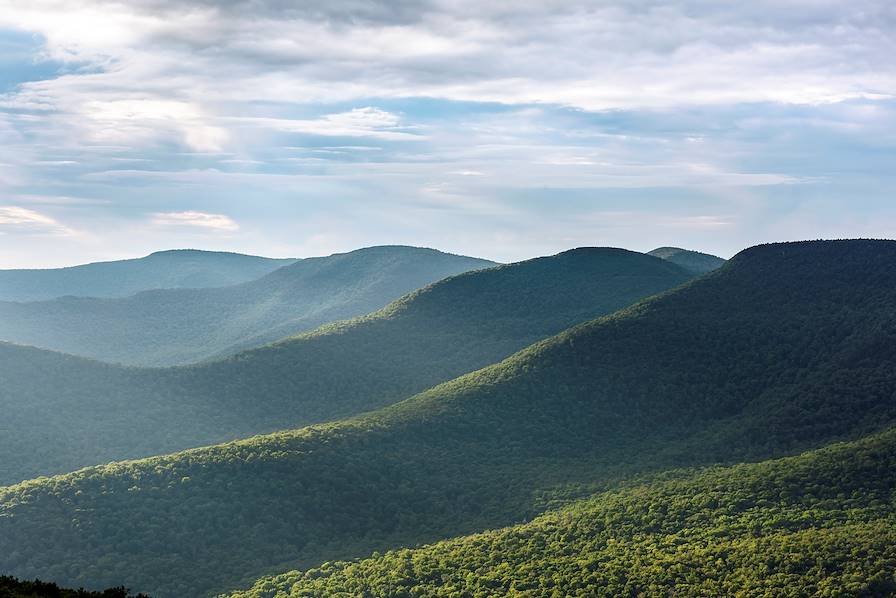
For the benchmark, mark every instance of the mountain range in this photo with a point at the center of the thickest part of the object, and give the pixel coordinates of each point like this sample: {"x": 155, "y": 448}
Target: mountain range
{"x": 63, "y": 412}
{"x": 178, "y": 326}
{"x": 785, "y": 348}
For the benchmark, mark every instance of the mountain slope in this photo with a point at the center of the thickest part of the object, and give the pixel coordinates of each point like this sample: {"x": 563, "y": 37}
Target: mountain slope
{"x": 694, "y": 261}
{"x": 822, "y": 523}
{"x": 785, "y": 348}
{"x": 176, "y": 326}
{"x": 62, "y": 412}
{"x": 181, "y": 268}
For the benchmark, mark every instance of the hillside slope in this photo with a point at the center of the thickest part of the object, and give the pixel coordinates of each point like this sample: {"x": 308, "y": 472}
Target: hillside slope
{"x": 179, "y": 268}
{"x": 820, "y": 524}
{"x": 785, "y": 348}
{"x": 177, "y": 326}
{"x": 61, "y": 412}
{"x": 694, "y": 261}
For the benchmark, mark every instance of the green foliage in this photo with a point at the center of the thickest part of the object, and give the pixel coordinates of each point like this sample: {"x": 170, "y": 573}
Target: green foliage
{"x": 786, "y": 347}
{"x": 61, "y": 413}
{"x": 821, "y": 524}
{"x": 177, "y": 326}
{"x": 183, "y": 268}
{"x": 11, "y": 587}
{"x": 694, "y": 261}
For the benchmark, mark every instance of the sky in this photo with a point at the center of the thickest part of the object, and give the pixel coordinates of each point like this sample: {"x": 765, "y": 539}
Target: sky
{"x": 498, "y": 129}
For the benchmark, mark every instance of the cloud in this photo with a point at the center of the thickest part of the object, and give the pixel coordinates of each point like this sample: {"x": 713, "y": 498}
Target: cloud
{"x": 19, "y": 220}
{"x": 358, "y": 122}
{"x": 201, "y": 220}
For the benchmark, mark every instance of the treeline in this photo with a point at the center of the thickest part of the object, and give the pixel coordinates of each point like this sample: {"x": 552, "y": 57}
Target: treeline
{"x": 10, "y": 587}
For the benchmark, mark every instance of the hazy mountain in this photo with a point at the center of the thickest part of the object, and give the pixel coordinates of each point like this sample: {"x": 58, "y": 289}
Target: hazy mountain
{"x": 791, "y": 527}
{"x": 176, "y": 326}
{"x": 62, "y": 412}
{"x": 181, "y": 268}
{"x": 696, "y": 262}
{"x": 788, "y": 347}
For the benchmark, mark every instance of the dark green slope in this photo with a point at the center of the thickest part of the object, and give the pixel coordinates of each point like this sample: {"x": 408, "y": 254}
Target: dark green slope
{"x": 694, "y": 261}
{"x": 176, "y": 326}
{"x": 180, "y": 268}
{"x": 820, "y": 524}
{"x": 62, "y": 413}
{"x": 786, "y": 347}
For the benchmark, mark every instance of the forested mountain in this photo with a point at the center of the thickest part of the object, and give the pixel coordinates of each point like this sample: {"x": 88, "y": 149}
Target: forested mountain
{"x": 180, "y": 268}
{"x": 696, "y": 262}
{"x": 820, "y": 524}
{"x": 61, "y": 412}
{"x": 177, "y": 326}
{"x": 787, "y": 347}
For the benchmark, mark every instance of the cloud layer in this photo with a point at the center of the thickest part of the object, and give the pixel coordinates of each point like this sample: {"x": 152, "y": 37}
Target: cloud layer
{"x": 525, "y": 126}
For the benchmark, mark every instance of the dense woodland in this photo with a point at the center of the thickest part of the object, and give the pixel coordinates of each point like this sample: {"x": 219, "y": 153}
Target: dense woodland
{"x": 10, "y": 587}
{"x": 786, "y": 348}
{"x": 62, "y": 412}
{"x": 820, "y": 524}
{"x": 178, "y": 326}
{"x": 176, "y": 269}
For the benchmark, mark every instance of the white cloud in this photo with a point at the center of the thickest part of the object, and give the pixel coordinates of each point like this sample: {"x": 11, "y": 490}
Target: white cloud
{"x": 17, "y": 219}
{"x": 358, "y": 122}
{"x": 201, "y": 220}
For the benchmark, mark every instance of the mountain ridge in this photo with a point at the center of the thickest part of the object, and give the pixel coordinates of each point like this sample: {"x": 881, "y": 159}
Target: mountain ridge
{"x": 82, "y": 412}
{"x": 159, "y": 327}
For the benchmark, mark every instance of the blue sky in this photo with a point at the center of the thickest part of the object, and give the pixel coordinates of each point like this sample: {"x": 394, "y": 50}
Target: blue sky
{"x": 503, "y": 129}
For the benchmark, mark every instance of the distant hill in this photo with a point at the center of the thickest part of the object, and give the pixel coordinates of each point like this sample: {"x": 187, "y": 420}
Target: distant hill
{"x": 178, "y": 326}
{"x": 788, "y": 347}
{"x": 176, "y": 269}
{"x": 62, "y": 412}
{"x": 696, "y": 262}
{"x": 822, "y": 523}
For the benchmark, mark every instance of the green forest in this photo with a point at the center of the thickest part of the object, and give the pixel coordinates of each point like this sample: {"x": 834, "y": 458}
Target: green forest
{"x": 819, "y": 524}
{"x": 786, "y": 348}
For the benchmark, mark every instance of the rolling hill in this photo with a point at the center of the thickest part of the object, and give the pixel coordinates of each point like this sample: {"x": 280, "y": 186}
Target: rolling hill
{"x": 820, "y": 524}
{"x": 696, "y": 262}
{"x": 786, "y": 348}
{"x": 180, "y": 268}
{"x": 62, "y": 412}
{"x": 178, "y": 326}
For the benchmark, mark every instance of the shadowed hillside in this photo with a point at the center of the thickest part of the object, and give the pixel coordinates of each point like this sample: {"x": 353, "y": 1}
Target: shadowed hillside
{"x": 181, "y": 268}
{"x": 168, "y": 327}
{"x": 62, "y": 412}
{"x": 787, "y": 347}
